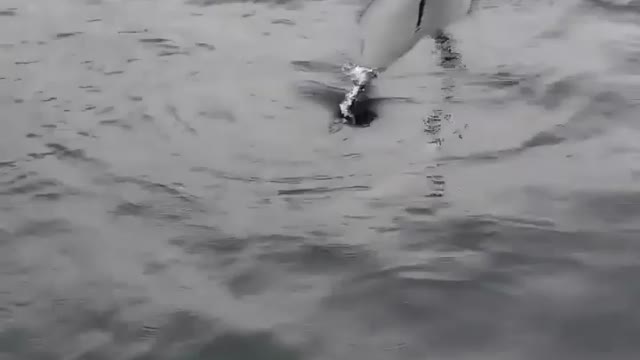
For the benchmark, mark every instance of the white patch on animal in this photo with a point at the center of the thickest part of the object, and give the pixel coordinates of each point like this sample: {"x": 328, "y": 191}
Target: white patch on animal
{"x": 390, "y": 28}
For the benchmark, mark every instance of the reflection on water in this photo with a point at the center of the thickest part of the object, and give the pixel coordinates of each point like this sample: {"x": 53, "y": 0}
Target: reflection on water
{"x": 169, "y": 189}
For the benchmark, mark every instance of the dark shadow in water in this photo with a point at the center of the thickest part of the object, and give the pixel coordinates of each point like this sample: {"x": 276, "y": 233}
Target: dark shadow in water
{"x": 363, "y": 110}
{"x": 8, "y": 12}
{"x": 330, "y": 97}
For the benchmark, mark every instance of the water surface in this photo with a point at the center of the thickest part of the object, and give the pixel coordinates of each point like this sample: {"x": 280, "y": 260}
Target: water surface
{"x": 170, "y": 189}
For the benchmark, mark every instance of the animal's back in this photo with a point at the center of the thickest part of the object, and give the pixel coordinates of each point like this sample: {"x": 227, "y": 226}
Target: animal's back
{"x": 390, "y": 28}
{"x": 439, "y": 14}
{"x": 388, "y": 31}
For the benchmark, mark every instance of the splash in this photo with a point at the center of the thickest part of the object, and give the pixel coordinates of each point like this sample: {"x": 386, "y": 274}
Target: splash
{"x": 361, "y": 77}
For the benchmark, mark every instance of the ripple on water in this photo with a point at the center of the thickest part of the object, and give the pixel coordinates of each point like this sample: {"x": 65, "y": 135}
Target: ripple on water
{"x": 107, "y": 332}
{"x": 156, "y": 201}
{"x": 409, "y": 282}
{"x": 43, "y": 228}
{"x": 532, "y": 282}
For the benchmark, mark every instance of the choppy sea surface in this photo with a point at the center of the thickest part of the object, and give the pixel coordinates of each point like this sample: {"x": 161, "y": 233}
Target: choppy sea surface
{"x": 170, "y": 189}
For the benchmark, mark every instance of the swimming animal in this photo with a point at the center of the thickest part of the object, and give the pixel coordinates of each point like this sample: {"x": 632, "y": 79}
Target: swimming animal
{"x": 390, "y": 29}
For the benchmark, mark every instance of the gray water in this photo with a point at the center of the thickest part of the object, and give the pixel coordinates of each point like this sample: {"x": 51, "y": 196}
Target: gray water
{"x": 170, "y": 189}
